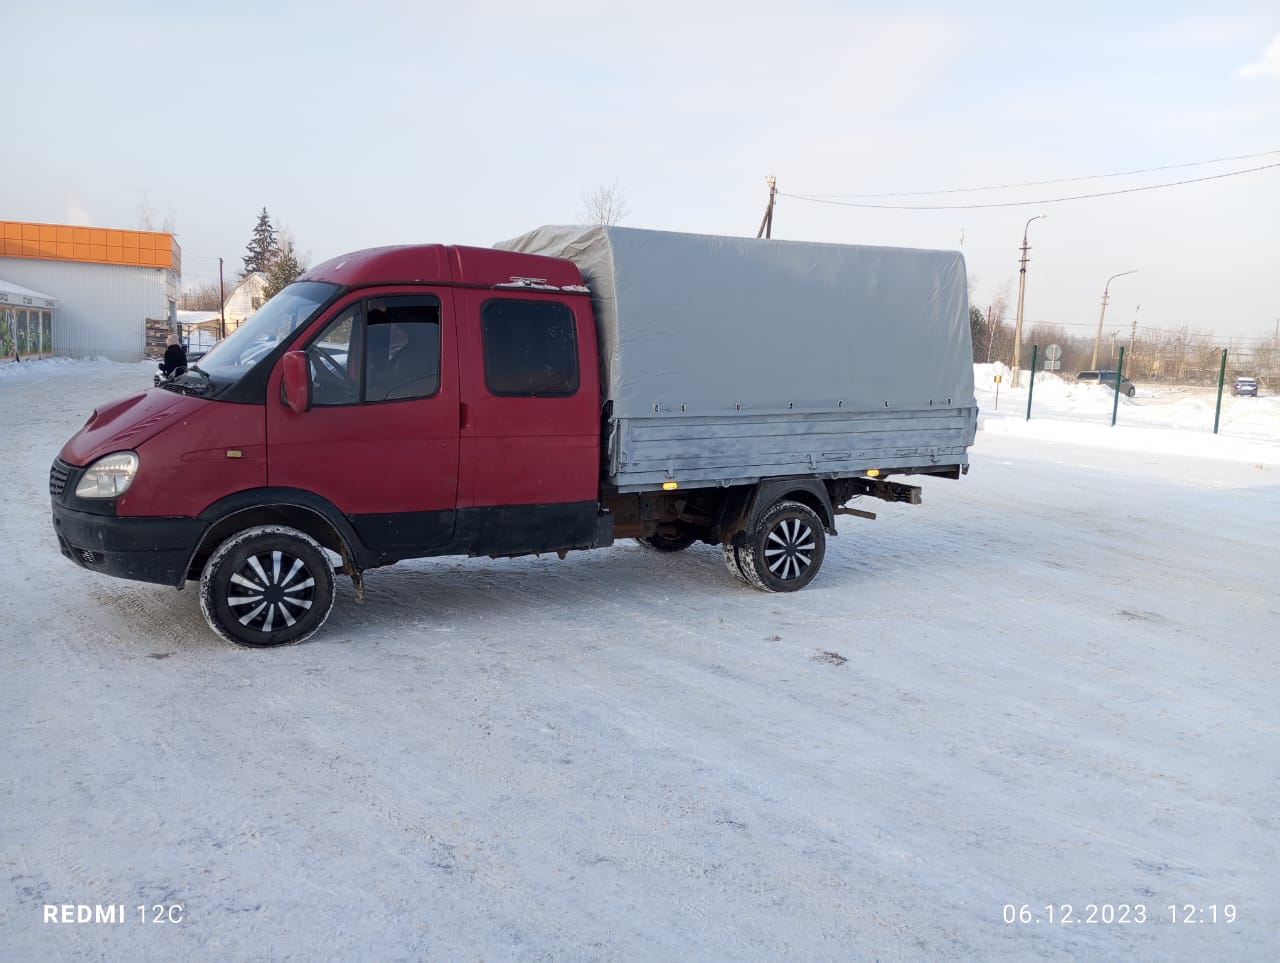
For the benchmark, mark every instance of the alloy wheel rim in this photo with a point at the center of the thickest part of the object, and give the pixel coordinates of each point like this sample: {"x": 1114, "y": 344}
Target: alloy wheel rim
{"x": 789, "y": 549}
{"x": 271, "y": 591}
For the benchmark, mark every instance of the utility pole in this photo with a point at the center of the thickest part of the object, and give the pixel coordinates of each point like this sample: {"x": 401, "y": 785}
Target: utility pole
{"x": 222, "y": 305}
{"x": 766, "y": 226}
{"x": 990, "y": 334}
{"x": 1022, "y": 289}
{"x": 1133, "y": 335}
{"x": 1106, "y": 293}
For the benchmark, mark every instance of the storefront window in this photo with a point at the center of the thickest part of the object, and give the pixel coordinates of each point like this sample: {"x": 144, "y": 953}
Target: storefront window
{"x": 8, "y": 327}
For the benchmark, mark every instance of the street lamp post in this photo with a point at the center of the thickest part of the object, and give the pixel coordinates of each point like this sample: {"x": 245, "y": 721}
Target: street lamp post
{"x": 1022, "y": 289}
{"x": 1101, "y": 314}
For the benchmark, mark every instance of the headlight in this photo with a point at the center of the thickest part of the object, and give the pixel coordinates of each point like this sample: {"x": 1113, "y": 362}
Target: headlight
{"x": 108, "y": 477}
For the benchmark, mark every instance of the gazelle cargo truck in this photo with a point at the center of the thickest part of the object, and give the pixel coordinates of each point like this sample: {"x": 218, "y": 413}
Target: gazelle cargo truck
{"x": 556, "y": 392}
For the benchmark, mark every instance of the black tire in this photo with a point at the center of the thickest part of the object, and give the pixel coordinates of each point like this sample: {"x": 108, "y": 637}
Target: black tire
{"x": 267, "y": 586}
{"x": 785, "y": 549}
{"x": 1131, "y": 392}
{"x": 732, "y": 563}
{"x": 668, "y": 543}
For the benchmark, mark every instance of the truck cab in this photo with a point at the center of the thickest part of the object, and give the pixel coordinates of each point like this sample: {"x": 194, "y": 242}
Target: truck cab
{"x": 393, "y": 403}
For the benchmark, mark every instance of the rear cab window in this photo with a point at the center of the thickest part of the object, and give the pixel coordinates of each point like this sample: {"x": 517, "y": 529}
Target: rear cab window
{"x": 530, "y": 349}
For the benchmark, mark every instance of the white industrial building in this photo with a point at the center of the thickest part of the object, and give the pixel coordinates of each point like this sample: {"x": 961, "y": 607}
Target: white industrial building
{"x": 115, "y": 291}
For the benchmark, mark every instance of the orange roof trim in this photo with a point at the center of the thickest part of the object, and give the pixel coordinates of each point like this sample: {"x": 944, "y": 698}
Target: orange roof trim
{"x": 99, "y": 245}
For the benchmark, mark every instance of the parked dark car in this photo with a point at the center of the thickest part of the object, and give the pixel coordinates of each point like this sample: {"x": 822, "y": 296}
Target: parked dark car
{"x": 1245, "y": 386}
{"x": 1107, "y": 378}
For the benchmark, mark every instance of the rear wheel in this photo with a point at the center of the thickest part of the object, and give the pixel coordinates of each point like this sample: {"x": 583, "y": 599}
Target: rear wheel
{"x": 267, "y": 586}
{"x": 668, "y": 543}
{"x": 1131, "y": 392}
{"x": 733, "y": 565}
{"x": 784, "y": 550}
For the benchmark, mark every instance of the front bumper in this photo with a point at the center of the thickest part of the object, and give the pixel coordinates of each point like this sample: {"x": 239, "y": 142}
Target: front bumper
{"x": 143, "y": 549}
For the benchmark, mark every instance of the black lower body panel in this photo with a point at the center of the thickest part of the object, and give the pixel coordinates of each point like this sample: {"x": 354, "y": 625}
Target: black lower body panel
{"x": 142, "y": 549}
{"x": 484, "y": 530}
{"x": 523, "y": 529}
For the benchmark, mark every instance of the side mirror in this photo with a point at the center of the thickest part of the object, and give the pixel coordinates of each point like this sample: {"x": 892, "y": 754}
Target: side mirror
{"x": 297, "y": 381}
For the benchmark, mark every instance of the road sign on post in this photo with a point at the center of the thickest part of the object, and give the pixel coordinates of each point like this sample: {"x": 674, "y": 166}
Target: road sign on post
{"x": 1053, "y": 357}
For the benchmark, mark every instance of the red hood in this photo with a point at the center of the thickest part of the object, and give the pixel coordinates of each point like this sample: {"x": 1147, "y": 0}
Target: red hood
{"x": 127, "y": 423}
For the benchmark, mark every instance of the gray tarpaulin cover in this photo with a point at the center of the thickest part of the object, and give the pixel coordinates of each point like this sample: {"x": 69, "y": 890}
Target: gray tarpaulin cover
{"x": 728, "y": 360}
{"x": 703, "y": 325}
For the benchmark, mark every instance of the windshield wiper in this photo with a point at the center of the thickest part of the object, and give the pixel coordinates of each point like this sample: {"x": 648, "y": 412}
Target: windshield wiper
{"x": 184, "y": 388}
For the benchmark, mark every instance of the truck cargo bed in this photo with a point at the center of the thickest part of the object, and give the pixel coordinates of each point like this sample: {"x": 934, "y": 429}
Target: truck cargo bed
{"x": 725, "y": 360}
{"x": 697, "y": 452}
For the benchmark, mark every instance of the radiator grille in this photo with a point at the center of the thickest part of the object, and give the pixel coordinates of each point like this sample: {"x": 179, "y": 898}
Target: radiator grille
{"x": 58, "y": 478}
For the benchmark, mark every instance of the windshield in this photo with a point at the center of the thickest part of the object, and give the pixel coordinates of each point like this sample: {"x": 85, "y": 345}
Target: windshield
{"x": 235, "y": 355}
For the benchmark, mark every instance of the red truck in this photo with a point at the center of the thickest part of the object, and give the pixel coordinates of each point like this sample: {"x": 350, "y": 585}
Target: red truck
{"x": 558, "y": 392}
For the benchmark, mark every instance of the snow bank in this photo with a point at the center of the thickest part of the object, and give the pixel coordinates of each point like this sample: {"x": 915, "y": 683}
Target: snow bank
{"x": 1160, "y": 418}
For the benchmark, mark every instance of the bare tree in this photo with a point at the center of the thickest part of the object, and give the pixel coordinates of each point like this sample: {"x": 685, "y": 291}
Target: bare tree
{"x": 286, "y": 266}
{"x": 1263, "y": 361}
{"x": 205, "y": 297}
{"x": 998, "y": 344}
{"x": 286, "y": 236}
{"x": 149, "y": 219}
{"x": 1043, "y": 334}
{"x": 604, "y": 205}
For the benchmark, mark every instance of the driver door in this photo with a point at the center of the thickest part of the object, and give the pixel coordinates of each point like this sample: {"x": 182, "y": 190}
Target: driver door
{"x": 380, "y": 440}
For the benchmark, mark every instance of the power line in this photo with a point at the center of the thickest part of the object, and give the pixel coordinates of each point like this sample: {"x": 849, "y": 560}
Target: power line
{"x": 1050, "y": 200}
{"x": 1061, "y": 180}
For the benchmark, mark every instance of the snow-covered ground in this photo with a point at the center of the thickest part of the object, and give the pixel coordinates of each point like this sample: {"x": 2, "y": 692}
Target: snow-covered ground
{"x": 1055, "y": 682}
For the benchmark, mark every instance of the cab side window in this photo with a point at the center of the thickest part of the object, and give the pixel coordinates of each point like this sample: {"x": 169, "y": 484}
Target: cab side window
{"x": 402, "y": 348}
{"x": 385, "y": 349}
{"x": 530, "y": 348}
{"x": 333, "y": 379}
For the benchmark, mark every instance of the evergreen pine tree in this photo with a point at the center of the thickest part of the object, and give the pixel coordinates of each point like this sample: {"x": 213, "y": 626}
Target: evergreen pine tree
{"x": 262, "y": 247}
{"x": 978, "y": 334}
{"x": 283, "y": 270}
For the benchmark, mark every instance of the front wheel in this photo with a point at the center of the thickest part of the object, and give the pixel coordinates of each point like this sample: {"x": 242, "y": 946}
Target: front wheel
{"x": 1131, "y": 392}
{"x": 267, "y": 586}
{"x": 784, "y": 550}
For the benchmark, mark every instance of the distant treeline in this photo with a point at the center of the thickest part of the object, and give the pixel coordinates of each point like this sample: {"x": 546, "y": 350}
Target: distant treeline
{"x": 1174, "y": 357}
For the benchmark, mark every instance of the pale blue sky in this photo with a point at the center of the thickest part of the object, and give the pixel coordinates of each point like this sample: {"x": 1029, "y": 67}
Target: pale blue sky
{"x": 380, "y": 122}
